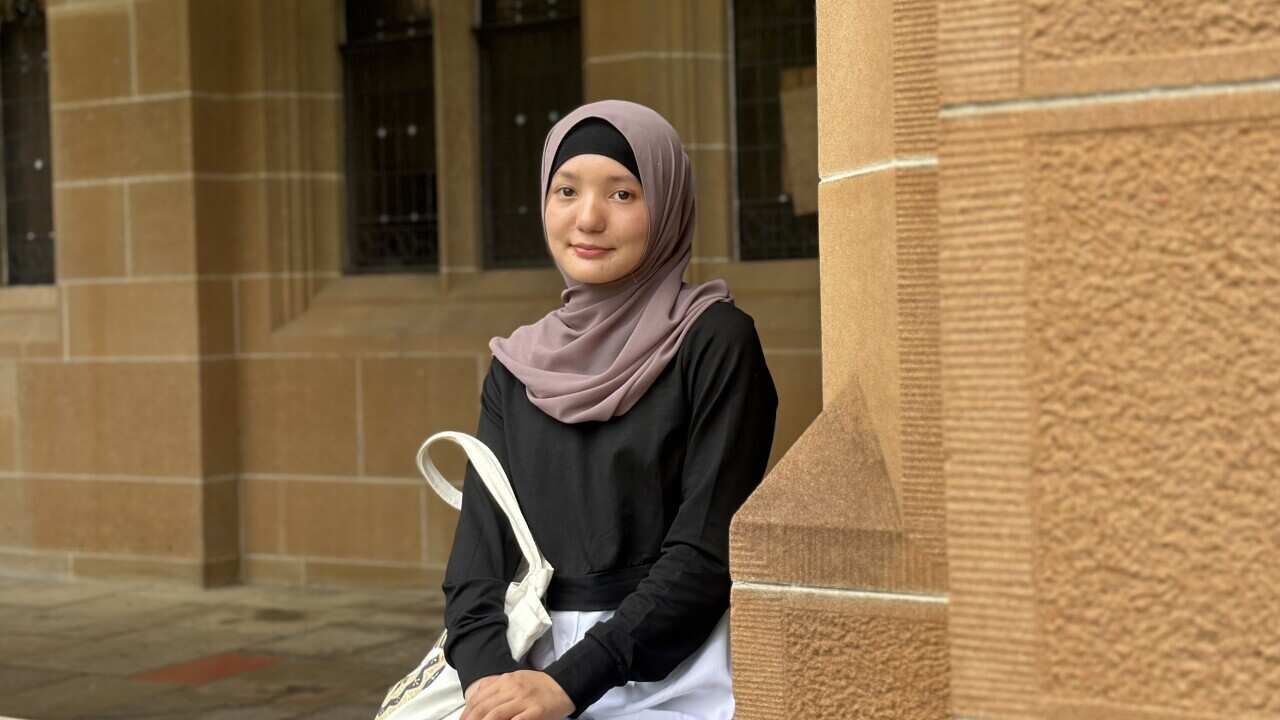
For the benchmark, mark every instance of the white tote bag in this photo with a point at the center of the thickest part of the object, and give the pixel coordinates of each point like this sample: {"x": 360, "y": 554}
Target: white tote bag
{"x": 433, "y": 691}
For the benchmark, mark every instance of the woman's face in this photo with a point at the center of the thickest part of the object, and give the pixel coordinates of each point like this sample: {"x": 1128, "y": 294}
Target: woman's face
{"x": 596, "y": 219}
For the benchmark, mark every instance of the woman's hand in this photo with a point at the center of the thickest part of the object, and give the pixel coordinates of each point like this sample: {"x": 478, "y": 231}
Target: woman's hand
{"x": 519, "y": 695}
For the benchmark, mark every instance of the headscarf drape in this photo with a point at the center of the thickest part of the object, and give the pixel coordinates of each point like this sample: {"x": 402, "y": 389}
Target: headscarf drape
{"x": 595, "y": 356}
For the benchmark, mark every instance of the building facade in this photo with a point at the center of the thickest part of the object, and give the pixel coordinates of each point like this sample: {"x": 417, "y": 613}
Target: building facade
{"x": 1025, "y": 465}
{"x": 284, "y": 234}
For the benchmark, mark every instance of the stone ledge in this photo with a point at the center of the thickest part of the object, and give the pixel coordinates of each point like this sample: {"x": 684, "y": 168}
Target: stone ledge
{"x": 828, "y": 514}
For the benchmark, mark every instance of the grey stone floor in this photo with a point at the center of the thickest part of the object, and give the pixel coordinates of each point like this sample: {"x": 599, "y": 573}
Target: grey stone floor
{"x": 112, "y": 651}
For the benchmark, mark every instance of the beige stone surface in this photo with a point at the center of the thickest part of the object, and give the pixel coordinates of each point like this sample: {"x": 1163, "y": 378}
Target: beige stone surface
{"x": 117, "y": 320}
{"x": 1084, "y": 46}
{"x": 162, "y": 45}
{"x": 800, "y": 654}
{"x": 115, "y": 516}
{"x": 405, "y": 400}
{"x": 613, "y": 28}
{"x": 881, "y": 327}
{"x": 151, "y": 137}
{"x": 340, "y": 574}
{"x": 272, "y": 571}
{"x": 1152, "y": 294}
{"x": 262, "y": 516}
{"x": 160, "y": 570}
{"x": 1107, "y": 337}
{"x": 110, "y": 418}
{"x": 298, "y": 416}
{"x": 353, "y": 520}
{"x": 90, "y": 52}
{"x": 9, "y": 415}
{"x": 36, "y": 564}
{"x": 1097, "y": 46}
{"x": 979, "y": 46}
{"x": 220, "y": 519}
{"x": 162, "y": 227}
{"x": 219, "y": 417}
{"x": 91, "y": 231}
{"x": 230, "y": 226}
{"x": 855, "y": 99}
{"x": 227, "y": 45}
{"x": 227, "y": 133}
{"x": 15, "y": 512}
{"x": 216, "y": 308}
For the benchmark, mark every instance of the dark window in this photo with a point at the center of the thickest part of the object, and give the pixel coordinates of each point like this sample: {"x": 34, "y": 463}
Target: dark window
{"x": 390, "y": 136}
{"x": 28, "y": 189}
{"x": 531, "y": 75}
{"x": 769, "y": 36}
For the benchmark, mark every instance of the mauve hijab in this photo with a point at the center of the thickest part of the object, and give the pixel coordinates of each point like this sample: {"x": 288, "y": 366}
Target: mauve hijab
{"x": 595, "y": 356}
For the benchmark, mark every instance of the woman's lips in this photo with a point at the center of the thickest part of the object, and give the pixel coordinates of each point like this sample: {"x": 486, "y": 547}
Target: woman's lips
{"x": 587, "y": 251}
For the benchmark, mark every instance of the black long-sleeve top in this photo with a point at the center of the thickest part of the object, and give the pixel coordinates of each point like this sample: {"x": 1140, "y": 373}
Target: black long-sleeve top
{"x": 656, "y": 487}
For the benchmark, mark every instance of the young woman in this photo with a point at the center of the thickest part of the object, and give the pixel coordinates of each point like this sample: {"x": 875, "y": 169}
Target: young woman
{"x": 633, "y": 422}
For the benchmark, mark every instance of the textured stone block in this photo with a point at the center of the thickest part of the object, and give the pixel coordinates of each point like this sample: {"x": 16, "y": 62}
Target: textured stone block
{"x": 227, "y": 44}
{"x": 405, "y": 400}
{"x": 298, "y": 416}
{"x": 110, "y": 418}
{"x": 1153, "y": 300}
{"x": 89, "y": 52}
{"x": 1005, "y": 49}
{"x": 340, "y": 574}
{"x": 91, "y": 231}
{"x": 878, "y": 96}
{"x": 114, "y": 516}
{"x": 1107, "y": 301}
{"x": 150, "y": 137}
{"x": 231, "y": 226}
{"x": 227, "y": 134}
{"x": 799, "y": 654}
{"x": 162, "y": 45}
{"x": 150, "y": 319}
{"x": 162, "y": 227}
{"x": 353, "y": 521}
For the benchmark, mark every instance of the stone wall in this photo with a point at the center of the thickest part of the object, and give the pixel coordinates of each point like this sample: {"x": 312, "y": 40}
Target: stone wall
{"x": 1050, "y": 283}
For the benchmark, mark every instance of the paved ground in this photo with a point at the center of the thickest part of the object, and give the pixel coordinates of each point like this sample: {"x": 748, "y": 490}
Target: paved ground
{"x": 115, "y": 651}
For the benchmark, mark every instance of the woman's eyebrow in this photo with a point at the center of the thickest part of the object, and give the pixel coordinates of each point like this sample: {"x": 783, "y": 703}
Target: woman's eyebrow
{"x": 611, "y": 178}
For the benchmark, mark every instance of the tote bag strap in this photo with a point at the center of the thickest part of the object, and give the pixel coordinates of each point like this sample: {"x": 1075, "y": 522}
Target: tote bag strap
{"x": 495, "y": 479}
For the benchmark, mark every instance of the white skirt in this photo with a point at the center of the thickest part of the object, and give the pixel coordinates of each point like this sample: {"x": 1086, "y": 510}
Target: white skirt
{"x": 700, "y": 688}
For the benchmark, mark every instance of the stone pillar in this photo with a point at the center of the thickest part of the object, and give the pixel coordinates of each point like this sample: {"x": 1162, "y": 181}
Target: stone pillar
{"x": 1110, "y": 264}
{"x": 839, "y": 559}
{"x": 127, "y": 440}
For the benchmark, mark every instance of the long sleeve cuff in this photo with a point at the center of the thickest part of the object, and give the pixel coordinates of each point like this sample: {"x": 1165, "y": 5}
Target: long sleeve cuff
{"x": 481, "y": 653}
{"x": 585, "y": 672}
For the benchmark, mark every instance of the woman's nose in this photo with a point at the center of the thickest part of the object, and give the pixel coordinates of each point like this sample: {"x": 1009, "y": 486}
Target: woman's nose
{"x": 591, "y": 215}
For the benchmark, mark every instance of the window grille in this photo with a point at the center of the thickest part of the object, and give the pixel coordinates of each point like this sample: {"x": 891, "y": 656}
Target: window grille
{"x": 769, "y": 36}
{"x": 531, "y": 75}
{"x": 390, "y": 136}
{"x": 28, "y": 185}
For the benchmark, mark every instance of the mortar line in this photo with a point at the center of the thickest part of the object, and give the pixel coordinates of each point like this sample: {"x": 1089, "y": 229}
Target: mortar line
{"x": 1164, "y": 92}
{"x": 838, "y": 592}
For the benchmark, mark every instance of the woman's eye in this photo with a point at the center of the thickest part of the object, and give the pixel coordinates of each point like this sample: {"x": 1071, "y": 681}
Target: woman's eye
{"x": 564, "y": 188}
{"x": 625, "y": 194}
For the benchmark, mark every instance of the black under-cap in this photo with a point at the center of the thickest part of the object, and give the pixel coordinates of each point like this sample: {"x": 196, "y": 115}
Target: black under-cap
{"x": 595, "y": 136}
